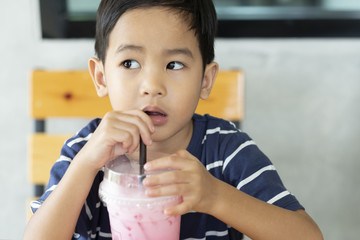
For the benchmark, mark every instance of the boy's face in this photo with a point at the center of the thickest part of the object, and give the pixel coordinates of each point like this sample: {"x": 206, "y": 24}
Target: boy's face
{"x": 153, "y": 63}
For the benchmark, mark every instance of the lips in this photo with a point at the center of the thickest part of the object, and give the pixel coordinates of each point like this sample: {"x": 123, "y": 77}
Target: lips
{"x": 158, "y": 116}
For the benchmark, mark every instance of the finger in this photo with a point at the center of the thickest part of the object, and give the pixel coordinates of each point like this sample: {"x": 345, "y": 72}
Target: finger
{"x": 127, "y": 134}
{"x": 133, "y": 123}
{"x": 166, "y": 178}
{"x": 185, "y": 185}
{"x": 112, "y": 132}
{"x": 119, "y": 129}
{"x": 119, "y": 149}
{"x": 174, "y": 161}
{"x": 145, "y": 118}
{"x": 170, "y": 190}
{"x": 179, "y": 209}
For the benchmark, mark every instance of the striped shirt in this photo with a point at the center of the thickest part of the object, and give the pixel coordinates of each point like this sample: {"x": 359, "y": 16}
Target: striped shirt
{"x": 227, "y": 153}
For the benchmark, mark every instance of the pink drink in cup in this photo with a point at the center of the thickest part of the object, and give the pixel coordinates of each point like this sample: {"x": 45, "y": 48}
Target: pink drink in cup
{"x": 133, "y": 215}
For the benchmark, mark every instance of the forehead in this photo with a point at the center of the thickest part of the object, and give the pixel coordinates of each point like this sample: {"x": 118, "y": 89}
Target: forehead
{"x": 154, "y": 27}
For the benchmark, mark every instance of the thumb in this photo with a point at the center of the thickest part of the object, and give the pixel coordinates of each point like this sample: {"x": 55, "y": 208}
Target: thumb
{"x": 119, "y": 150}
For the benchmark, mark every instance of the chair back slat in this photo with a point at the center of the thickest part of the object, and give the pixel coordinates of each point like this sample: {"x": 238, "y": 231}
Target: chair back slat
{"x": 226, "y": 99}
{"x": 65, "y": 94}
{"x": 72, "y": 94}
{"x": 44, "y": 150}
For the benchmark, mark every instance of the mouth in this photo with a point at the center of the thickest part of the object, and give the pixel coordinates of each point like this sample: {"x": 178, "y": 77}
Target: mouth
{"x": 151, "y": 113}
{"x": 158, "y": 116}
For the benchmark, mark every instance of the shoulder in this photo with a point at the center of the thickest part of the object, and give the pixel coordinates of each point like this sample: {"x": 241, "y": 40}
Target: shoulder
{"x": 77, "y": 141}
{"x": 211, "y": 121}
{"x": 225, "y": 149}
{"x": 89, "y": 128}
{"x": 72, "y": 146}
{"x": 218, "y": 131}
{"x": 216, "y": 139}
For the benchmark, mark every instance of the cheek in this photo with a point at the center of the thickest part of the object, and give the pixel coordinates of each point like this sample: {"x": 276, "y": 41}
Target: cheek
{"x": 122, "y": 97}
{"x": 186, "y": 100}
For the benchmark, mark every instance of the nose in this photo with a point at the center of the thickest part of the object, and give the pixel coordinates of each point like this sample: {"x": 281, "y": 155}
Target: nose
{"x": 153, "y": 85}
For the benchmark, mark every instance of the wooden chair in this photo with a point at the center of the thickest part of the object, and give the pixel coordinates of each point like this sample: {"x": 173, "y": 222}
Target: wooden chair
{"x": 226, "y": 98}
{"x": 72, "y": 94}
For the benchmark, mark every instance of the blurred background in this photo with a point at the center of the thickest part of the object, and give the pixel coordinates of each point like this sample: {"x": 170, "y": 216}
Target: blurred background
{"x": 301, "y": 61}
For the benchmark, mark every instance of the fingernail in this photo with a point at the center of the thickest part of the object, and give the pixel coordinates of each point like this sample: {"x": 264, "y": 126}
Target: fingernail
{"x": 145, "y": 181}
{"x": 167, "y": 212}
{"x": 148, "y": 192}
{"x": 147, "y": 166}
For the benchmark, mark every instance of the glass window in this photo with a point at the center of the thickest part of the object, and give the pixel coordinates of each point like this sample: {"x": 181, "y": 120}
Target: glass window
{"x": 237, "y": 18}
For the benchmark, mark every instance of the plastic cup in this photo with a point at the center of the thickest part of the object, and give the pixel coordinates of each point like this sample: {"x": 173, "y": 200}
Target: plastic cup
{"x": 133, "y": 215}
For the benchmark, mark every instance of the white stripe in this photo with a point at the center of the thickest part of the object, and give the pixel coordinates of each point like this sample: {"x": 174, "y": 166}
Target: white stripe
{"x": 107, "y": 235}
{"x": 214, "y": 165}
{"x": 233, "y": 124}
{"x": 242, "y": 146}
{"x": 63, "y": 158}
{"x": 217, "y": 130}
{"x": 278, "y": 197}
{"x": 228, "y": 131}
{"x": 216, "y": 233}
{"x": 101, "y": 234}
{"x": 88, "y": 212}
{"x": 214, "y": 130}
{"x": 79, "y": 139}
{"x": 211, "y": 233}
{"x": 254, "y": 175}
{"x": 51, "y": 188}
{"x": 34, "y": 205}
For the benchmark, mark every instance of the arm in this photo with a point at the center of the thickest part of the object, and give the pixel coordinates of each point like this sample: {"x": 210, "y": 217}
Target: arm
{"x": 54, "y": 219}
{"x": 255, "y": 218}
{"x": 262, "y": 220}
{"x": 116, "y": 134}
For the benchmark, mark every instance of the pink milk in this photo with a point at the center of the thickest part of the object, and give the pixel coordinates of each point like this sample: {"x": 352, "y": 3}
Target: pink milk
{"x": 133, "y": 215}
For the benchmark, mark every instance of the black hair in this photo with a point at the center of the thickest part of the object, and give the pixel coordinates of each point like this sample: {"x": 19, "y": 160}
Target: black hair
{"x": 200, "y": 14}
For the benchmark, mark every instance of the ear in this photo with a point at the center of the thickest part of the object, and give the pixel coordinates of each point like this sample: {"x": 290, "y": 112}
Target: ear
{"x": 96, "y": 69}
{"x": 210, "y": 73}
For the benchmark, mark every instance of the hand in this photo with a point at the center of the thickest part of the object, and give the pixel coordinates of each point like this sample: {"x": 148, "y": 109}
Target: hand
{"x": 190, "y": 180}
{"x": 118, "y": 133}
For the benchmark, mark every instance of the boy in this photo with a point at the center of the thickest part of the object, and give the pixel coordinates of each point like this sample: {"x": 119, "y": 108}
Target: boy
{"x": 155, "y": 62}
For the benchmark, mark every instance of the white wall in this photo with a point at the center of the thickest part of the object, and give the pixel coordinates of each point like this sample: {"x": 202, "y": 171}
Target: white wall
{"x": 301, "y": 109}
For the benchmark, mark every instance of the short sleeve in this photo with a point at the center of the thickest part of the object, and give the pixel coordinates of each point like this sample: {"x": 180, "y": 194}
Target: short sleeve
{"x": 249, "y": 170}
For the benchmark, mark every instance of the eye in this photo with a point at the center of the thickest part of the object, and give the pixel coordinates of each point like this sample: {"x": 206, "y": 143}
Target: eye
{"x": 131, "y": 64}
{"x": 175, "y": 65}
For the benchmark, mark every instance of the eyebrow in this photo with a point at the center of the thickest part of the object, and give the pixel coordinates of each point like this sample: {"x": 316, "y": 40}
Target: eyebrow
{"x": 179, "y": 51}
{"x": 126, "y": 47}
{"x": 174, "y": 51}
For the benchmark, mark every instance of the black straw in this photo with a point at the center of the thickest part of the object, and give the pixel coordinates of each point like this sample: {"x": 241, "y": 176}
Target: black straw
{"x": 142, "y": 159}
